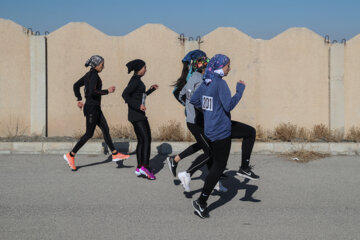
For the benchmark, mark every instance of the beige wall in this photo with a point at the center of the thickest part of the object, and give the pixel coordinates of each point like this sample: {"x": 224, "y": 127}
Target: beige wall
{"x": 352, "y": 83}
{"x": 69, "y": 48}
{"x": 287, "y": 77}
{"x": 14, "y": 79}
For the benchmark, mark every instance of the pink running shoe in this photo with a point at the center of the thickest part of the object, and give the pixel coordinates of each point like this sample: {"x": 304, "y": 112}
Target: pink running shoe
{"x": 137, "y": 171}
{"x": 147, "y": 173}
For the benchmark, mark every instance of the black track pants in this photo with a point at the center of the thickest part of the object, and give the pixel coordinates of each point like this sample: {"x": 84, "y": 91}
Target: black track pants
{"x": 220, "y": 153}
{"x": 143, "y": 134}
{"x": 248, "y": 134}
{"x": 96, "y": 117}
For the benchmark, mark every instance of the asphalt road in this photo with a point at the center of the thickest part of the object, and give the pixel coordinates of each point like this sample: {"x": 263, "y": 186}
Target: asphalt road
{"x": 40, "y": 198}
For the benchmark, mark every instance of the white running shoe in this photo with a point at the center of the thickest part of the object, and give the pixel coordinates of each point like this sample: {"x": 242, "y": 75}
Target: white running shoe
{"x": 220, "y": 188}
{"x": 185, "y": 179}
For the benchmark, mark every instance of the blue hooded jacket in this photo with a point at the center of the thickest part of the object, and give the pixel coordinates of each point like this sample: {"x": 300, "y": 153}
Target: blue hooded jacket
{"x": 214, "y": 97}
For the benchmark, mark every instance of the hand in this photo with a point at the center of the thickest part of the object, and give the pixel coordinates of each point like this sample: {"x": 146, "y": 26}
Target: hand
{"x": 155, "y": 86}
{"x": 242, "y": 82}
{"x": 80, "y": 104}
{"x": 111, "y": 89}
{"x": 142, "y": 108}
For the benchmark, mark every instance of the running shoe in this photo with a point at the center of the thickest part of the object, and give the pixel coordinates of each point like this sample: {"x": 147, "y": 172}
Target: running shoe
{"x": 220, "y": 188}
{"x": 185, "y": 179}
{"x": 147, "y": 173}
{"x": 137, "y": 171}
{"x": 200, "y": 210}
{"x": 119, "y": 156}
{"x": 247, "y": 173}
{"x": 70, "y": 161}
{"x": 172, "y": 164}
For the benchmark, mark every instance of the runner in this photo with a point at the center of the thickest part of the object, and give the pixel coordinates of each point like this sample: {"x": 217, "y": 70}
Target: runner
{"x": 214, "y": 97}
{"x": 134, "y": 95}
{"x": 178, "y": 86}
{"x": 92, "y": 109}
{"x": 195, "y": 123}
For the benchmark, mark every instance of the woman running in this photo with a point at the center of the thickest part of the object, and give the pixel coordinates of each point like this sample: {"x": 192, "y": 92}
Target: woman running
{"x": 188, "y": 69}
{"x": 214, "y": 97}
{"x": 92, "y": 109}
{"x": 195, "y": 123}
{"x": 134, "y": 95}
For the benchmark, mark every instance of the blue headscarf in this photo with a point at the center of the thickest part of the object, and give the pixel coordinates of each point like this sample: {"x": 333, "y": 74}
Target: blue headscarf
{"x": 216, "y": 62}
{"x": 193, "y": 55}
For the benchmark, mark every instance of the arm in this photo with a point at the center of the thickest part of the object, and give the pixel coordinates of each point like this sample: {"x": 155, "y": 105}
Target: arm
{"x": 93, "y": 78}
{"x": 151, "y": 89}
{"x": 196, "y": 97}
{"x": 181, "y": 98}
{"x": 77, "y": 87}
{"x": 227, "y": 101}
{"x": 128, "y": 91}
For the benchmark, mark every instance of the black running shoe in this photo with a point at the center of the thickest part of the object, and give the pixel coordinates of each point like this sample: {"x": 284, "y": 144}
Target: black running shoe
{"x": 247, "y": 173}
{"x": 172, "y": 164}
{"x": 199, "y": 210}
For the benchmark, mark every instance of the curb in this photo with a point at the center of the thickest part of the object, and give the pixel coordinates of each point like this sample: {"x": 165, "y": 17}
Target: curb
{"x": 175, "y": 147}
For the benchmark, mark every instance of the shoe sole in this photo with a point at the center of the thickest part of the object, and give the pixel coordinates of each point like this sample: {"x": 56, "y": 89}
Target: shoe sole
{"x": 246, "y": 176}
{"x": 147, "y": 176}
{"x": 118, "y": 159}
{"x": 169, "y": 164}
{"x": 67, "y": 161}
{"x": 197, "y": 212}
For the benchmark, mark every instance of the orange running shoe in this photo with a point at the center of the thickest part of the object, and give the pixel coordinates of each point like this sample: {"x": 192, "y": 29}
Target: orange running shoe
{"x": 70, "y": 161}
{"x": 119, "y": 156}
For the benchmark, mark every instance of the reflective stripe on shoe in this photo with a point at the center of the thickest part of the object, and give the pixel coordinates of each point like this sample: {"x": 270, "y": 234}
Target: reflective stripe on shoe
{"x": 70, "y": 161}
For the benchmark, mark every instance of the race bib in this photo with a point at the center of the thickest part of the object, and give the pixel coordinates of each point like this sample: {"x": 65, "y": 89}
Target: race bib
{"x": 207, "y": 103}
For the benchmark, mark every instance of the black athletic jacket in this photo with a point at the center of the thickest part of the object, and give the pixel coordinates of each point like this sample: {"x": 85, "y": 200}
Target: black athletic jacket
{"x": 133, "y": 96}
{"x": 93, "y": 91}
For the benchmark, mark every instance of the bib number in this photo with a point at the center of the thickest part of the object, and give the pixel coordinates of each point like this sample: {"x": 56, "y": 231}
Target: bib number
{"x": 207, "y": 103}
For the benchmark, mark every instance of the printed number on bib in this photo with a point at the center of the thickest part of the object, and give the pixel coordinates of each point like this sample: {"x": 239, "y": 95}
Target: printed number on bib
{"x": 207, "y": 103}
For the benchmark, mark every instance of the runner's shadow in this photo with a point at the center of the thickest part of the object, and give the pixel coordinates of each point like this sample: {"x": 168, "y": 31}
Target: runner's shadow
{"x": 233, "y": 184}
{"x": 122, "y": 147}
{"x": 158, "y": 161}
{"x": 109, "y": 159}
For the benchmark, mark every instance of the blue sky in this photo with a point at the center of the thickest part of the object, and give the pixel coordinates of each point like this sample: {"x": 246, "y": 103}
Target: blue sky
{"x": 257, "y": 18}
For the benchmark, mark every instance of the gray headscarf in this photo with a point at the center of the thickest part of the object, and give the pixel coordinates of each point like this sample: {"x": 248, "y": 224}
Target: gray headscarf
{"x": 94, "y": 61}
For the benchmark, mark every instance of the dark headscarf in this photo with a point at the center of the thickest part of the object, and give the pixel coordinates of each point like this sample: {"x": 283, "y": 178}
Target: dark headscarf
{"x": 135, "y": 65}
{"x": 94, "y": 61}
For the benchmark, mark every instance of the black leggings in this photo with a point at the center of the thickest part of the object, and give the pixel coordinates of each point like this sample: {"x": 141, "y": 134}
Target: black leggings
{"x": 220, "y": 153}
{"x": 143, "y": 134}
{"x": 248, "y": 134}
{"x": 238, "y": 130}
{"x": 203, "y": 142}
{"x": 94, "y": 118}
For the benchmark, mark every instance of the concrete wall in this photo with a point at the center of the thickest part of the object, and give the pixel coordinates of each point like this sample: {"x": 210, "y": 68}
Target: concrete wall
{"x": 14, "y": 79}
{"x": 352, "y": 83}
{"x": 288, "y": 78}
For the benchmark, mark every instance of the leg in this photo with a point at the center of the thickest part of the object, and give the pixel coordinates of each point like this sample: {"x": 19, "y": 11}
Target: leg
{"x": 221, "y": 151}
{"x": 203, "y": 159}
{"x": 248, "y": 133}
{"x": 91, "y": 121}
{"x": 139, "y": 145}
{"x": 105, "y": 131}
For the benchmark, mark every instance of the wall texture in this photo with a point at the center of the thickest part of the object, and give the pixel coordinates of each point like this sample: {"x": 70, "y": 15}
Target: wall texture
{"x": 14, "y": 79}
{"x": 287, "y": 78}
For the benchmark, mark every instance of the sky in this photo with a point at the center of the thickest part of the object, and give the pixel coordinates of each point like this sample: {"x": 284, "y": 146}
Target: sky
{"x": 257, "y": 18}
